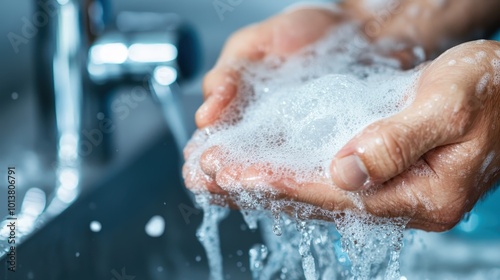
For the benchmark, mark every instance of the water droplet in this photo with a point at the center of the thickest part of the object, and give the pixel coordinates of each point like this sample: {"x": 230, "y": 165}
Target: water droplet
{"x": 77, "y": 254}
{"x": 95, "y": 226}
{"x": 14, "y": 96}
{"x": 277, "y": 221}
{"x": 258, "y": 254}
{"x": 277, "y": 229}
{"x": 155, "y": 226}
{"x": 466, "y": 217}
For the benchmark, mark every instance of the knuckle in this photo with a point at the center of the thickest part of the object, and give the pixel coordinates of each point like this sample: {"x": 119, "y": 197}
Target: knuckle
{"x": 393, "y": 155}
{"x": 463, "y": 115}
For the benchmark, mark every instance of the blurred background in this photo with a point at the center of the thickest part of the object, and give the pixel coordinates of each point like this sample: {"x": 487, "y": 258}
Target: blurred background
{"x": 95, "y": 136}
{"x": 97, "y": 98}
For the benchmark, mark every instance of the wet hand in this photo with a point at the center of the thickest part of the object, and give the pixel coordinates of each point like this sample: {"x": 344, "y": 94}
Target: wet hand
{"x": 434, "y": 160}
{"x": 279, "y": 36}
{"x": 430, "y": 163}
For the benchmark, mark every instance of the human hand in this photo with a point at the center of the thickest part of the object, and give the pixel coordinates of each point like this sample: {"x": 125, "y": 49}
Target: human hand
{"x": 451, "y": 129}
{"x": 400, "y": 25}
{"x": 279, "y": 36}
{"x": 431, "y": 162}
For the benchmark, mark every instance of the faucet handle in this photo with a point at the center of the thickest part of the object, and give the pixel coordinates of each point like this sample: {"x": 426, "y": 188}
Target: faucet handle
{"x": 142, "y": 42}
{"x": 157, "y": 50}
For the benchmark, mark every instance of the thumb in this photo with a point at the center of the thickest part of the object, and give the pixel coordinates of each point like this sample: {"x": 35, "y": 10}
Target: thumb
{"x": 386, "y": 148}
{"x": 448, "y": 102}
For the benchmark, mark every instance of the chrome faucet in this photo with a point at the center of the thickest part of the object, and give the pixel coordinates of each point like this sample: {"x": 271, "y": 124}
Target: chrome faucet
{"x": 152, "y": 49}
{"x": 80, "y": 57}
{"x": 83, "y": 57}
{"x": 60, "y": 55}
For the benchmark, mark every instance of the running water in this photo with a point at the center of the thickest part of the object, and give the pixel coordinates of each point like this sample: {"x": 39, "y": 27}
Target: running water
{"x": 287, "y": 121}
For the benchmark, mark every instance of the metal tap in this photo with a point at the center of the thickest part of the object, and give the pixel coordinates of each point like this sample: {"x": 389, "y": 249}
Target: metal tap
{"x": 80, "y": 56}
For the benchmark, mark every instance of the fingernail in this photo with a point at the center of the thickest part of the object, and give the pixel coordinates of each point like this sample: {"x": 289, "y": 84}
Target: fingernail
{"x": 352, "y": 172}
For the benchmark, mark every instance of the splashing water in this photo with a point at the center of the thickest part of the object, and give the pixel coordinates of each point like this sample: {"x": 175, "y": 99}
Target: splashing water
{"x": 294, "y": 116}
{"x": 208, "y": 234}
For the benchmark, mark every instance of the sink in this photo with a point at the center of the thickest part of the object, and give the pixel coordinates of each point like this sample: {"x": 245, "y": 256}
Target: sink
{"x": 70, "y": 246}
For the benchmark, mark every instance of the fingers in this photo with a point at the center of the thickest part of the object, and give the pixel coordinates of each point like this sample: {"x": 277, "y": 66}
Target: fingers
{"x": 385, "y": 149}
{"x": 281, "y": 36}
{"x": 261, "y": 181}
{"x": 412, "y": 194}
{"x": 416, "y": 195}
{"x": 198, "y": 138}
{"x": 221, "y": 83}
{"x": 441, "y": 114}
{"x": 220, "y": 86}
{"x": 197, "y": 181}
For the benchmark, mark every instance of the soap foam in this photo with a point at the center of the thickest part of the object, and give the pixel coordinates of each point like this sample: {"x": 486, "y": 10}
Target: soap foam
{"x": 296, "y": 121}
{"x": 292, "y": 117}
{"x": 495, "y": 63}
{"x": 483, "y": 83}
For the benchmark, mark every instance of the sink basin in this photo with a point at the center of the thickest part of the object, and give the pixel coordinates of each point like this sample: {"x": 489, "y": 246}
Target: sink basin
{"x": 72, "y": 247}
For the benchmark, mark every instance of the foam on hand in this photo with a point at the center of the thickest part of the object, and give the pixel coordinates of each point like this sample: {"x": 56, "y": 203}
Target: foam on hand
{"x": 292, "y": 117}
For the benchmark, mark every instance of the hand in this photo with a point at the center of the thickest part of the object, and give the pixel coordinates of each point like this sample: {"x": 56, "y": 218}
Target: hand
{"x": 280, "y": 36}
{"x": 451, "y": 129}
{"x": 431, "y": 162}
{"x": 396, "y": 21}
